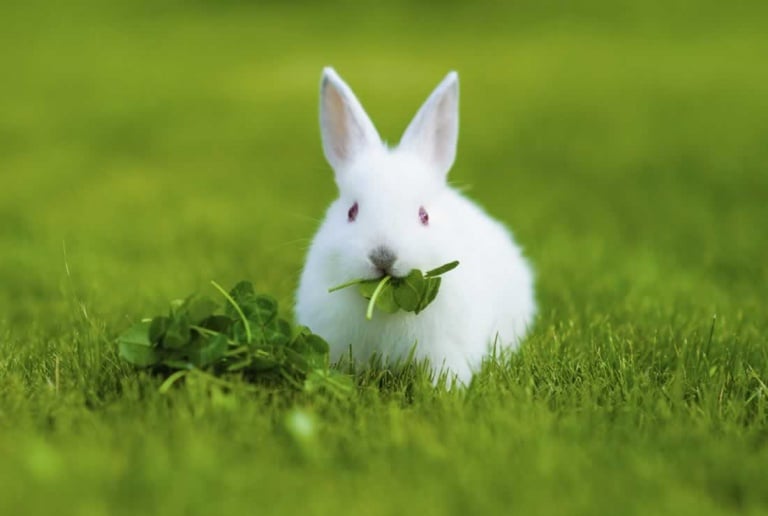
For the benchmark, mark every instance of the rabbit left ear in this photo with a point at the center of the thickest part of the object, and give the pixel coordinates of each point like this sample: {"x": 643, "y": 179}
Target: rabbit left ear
{"x": 346, "y": 129}
{"x": 435, "y": 129}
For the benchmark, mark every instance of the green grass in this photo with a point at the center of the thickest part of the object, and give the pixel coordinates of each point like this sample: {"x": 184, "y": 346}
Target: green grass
{"x": 146, "y": 149}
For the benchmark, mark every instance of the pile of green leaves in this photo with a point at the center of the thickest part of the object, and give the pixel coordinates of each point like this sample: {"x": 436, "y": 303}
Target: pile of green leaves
{"x": 411, "y": 293}
{"x": 246, "y": 337}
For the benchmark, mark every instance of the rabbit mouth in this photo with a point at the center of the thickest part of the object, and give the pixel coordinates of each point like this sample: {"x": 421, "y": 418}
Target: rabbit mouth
{"x": 381, "y": 274}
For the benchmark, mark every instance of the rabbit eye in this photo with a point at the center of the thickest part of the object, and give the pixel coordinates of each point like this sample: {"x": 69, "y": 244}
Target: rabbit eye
{"x": 423, "y": 216}
{"x": 352, "y": 213}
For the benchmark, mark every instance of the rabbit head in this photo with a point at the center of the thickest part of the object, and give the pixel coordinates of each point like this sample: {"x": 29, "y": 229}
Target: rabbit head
{"x": 389, "y": 217}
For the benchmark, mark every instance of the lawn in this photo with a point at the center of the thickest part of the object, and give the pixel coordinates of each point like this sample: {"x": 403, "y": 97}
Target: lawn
{"x": 147, "y": 148}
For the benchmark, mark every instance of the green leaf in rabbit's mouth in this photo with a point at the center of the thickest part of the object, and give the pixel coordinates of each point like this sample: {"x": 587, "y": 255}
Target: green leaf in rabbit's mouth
{"x": 411, "y": 293}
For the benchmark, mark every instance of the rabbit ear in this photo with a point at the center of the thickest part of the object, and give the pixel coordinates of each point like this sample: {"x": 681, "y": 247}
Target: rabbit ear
{"x": 435, "y": 128}
{"x": 346, "y": 129}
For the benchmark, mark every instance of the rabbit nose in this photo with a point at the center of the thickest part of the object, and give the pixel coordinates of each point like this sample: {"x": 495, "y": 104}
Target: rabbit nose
{"x": 383, "y": 258}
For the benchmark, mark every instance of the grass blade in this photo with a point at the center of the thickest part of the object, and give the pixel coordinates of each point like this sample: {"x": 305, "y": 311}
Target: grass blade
{"x": 248, "y": 334}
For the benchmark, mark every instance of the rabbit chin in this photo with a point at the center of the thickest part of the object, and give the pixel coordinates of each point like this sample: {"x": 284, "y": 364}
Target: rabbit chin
{"x": 454, "y": 333}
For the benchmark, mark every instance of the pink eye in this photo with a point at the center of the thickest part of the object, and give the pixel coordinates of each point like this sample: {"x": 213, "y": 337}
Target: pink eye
{"x": 423, "y": 216}
{"x": 352, "y": 213}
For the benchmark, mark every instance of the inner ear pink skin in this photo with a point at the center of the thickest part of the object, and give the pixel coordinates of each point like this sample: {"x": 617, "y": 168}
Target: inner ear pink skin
{"x": 423, "y": 216}
{"x": 352, "y": 213}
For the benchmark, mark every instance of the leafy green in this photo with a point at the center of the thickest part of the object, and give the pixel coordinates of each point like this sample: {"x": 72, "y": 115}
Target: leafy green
{"x": 136, "y": 346}
{"x": 382, "y": 297}
{"x": 245, "y": 336}
{"x": 411, "y": 293}
{"x": 438, "y": 271}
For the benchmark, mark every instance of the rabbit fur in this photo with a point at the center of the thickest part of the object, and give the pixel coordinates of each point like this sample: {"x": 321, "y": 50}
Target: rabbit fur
{"x": 383, "y": 196}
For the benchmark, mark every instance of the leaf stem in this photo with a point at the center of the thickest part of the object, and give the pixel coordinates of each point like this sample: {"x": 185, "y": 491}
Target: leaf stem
{"x": 168, "y": 383}
{"x": 206, "y": 331}
{"x": 345, "y": 285}
{"x": 376, "y": 293}
{"x": 248, "y": 335}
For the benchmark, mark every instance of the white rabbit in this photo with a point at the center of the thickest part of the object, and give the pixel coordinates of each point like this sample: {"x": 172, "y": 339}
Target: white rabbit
{"x": 396, "y": 212}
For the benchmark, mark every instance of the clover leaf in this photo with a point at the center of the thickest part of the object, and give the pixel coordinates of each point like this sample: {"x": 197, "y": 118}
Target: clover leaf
{"x": 411, "y": 293}
{"x": 246, "y": 336}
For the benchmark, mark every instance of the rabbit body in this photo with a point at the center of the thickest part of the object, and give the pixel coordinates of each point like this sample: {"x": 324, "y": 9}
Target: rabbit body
{"x": 395, "y": 213}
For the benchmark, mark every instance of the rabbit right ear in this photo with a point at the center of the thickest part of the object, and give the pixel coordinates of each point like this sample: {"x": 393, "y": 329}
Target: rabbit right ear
{"x": 346, "y": 129}
{"x": 435, "y": 128}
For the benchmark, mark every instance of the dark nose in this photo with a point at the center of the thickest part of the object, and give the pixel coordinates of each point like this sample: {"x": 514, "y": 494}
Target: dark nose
{"x": 383, "y": 258}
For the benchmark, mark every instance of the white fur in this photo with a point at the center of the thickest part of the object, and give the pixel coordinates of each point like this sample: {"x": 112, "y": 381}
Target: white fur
{"x": 488, "y": 299}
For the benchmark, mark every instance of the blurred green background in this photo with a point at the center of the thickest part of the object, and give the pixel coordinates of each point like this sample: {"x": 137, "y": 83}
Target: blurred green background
{"x": 148, "y": 147}
{"x": 167, "y": 143}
